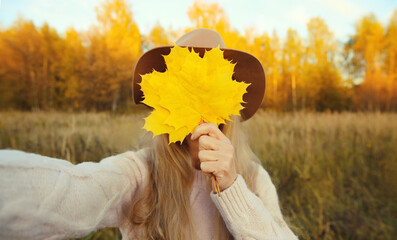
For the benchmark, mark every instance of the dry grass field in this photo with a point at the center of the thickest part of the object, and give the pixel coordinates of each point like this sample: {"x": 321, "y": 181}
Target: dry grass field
{"x": 336, "y": 173}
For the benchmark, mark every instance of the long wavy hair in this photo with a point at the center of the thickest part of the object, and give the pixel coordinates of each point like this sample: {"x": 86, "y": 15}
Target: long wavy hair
{"x": 163, "y": 208}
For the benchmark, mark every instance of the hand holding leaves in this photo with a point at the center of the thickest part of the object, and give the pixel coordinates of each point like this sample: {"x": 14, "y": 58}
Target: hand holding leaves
{"x": 216, "y": 154}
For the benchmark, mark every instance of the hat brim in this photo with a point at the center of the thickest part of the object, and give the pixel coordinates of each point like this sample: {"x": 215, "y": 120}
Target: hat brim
{"x": 248, "y": 69}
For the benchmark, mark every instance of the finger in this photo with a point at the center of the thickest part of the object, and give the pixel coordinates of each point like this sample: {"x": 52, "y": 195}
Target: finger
{"x": 209, "y": 129}
{"x": 209, "y": 168}
{"x": 209, "y": 143}
{"x": 215, "y": 168}
{"x": 209, "y": 155}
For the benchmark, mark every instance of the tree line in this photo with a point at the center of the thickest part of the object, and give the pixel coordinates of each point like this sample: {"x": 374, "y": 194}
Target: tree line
{"x": 42, "y": 69}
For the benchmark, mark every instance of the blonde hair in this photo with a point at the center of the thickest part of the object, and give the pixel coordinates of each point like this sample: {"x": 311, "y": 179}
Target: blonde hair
{"x": 163, "y": 206}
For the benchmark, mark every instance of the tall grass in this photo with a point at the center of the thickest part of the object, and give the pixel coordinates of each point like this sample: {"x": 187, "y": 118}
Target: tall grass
{"x": 75, "y": 137}
{"x": 335, "y": 173}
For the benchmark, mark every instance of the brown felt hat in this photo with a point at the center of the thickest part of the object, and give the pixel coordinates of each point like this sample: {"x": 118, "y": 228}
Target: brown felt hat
{"x": 248, "y": 69}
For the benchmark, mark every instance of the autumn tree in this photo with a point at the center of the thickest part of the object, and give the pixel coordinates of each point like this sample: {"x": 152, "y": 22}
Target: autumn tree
{"x": 209, "y": 15}
{"x": 213, "y": 16}
{"x": 158, "y": 36}
{"x": 118, "y": 43}
{"x": 73, "y": 71}
{"x": 49, "y": 75}
{"x": 366, "y": 45}
{"x": 390, "y": 62}
{"x": 273, "y": 68}
{"x": 30, "y": 65}
{"x": 321, "y": 42}
{"x": 293, "y": 52}
{"x": 8, "y": 75}
{"x": 323, "y": 83}
{"x": 259, "y": 46}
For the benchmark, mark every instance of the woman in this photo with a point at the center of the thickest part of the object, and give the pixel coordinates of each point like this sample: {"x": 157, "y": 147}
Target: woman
{"x": 158, "y": 192}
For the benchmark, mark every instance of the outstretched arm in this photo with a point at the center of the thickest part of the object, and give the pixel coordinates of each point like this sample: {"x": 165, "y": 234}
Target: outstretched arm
{"x": 48, "y": 198}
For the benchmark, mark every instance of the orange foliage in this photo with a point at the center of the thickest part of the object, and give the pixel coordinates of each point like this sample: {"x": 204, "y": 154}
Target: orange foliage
{"x": 92, "y": 70}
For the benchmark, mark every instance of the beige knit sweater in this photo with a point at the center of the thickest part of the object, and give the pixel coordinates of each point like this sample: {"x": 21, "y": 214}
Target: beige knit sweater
{"x": 47, "y": 198}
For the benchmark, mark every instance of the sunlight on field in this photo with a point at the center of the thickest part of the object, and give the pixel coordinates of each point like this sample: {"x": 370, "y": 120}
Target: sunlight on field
{"x": 335, "y": 173}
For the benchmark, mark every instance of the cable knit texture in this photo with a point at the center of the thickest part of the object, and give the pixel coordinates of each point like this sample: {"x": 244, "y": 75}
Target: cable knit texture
{"x": 48, "y": 198}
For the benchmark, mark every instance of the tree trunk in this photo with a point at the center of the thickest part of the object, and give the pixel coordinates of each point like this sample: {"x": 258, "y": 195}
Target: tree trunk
{"x": 293, "y": 85}
{"x": 390, "y": 81}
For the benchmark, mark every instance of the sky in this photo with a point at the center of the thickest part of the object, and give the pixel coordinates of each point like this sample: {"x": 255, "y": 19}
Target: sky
{"x": 260, "y": 15}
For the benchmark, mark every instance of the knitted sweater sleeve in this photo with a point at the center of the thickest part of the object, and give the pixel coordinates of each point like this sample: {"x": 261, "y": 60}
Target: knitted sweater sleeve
{"x": 253, "y": 216}
{"x": 48, "y": 198}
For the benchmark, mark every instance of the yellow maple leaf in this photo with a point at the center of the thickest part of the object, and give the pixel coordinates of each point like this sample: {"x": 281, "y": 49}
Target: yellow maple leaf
{"x": 190, "y": 90}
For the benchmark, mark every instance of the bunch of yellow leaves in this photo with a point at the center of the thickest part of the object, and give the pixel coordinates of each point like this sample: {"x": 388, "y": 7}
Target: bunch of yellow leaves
{"x": 190, "y": 90}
